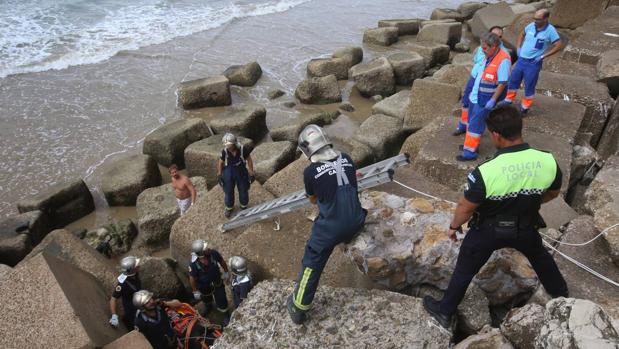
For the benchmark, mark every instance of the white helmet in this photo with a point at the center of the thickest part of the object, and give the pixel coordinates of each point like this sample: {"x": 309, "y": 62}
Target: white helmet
{"x": 141, "y": 298}
{"x": 198, "y": 247}
{"x": 129, "y": 265}
{"x": 312, "y": 139}
{"x": 238, "y": 265}
{"x": 229, "y": 139}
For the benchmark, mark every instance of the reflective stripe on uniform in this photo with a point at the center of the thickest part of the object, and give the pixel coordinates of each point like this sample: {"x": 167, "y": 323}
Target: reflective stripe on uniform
{"x": 301, "y": 291}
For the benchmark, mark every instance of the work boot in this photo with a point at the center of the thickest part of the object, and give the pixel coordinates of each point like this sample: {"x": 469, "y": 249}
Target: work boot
{"x": 432, "y": 306}
{"x": 458, "y": 132}
{"x": 227, "y": 212}
{"x": 524, "y": 112}
{"x": 297, "y": 315}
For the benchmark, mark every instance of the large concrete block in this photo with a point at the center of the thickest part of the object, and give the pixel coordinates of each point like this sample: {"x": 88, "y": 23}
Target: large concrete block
{"x": 63, "y": 203}
{"x": 556, "y": 117}
{"x": 574, "y": 13}
{"x": 125, "y": 178}
{"x": 454, "y": 74}
{"x": 244, "y": 75}
{"x": 430, "y": 99}
{"x": 608, "y": 71}
{"x": 609, "y": 141}
{"x": 499, "y": 14}
{"x": 405, "y": 26}
{"x": 584, "y": 90}
{"x": 468, "y": 9}
{"x": 384, "y": 36}
{"x": 319, "y": 90}
{"x": 384, "y": 134}
{"x": 202, "y": 156}
{"x": 374, "y": 78}
{"x": 208, "y": 92}
{"x": 322, "y": 67}
{"x": 594, "y": 38}
{"x": 19, "y": 233}
{"x": 407, "y": 66}
{"x": 442, "y": 33}
{"x": 271, "y": 157}
{"x": 289, "y": 179}
{"x": 167, "y": 143}
{"x": 433, "y": 53}
{"x": 413, "y": 144}
{"x": 290, "y": 130}
{"x": 447, "y": 13}
{"x": 245, "y": 120}
{"x": 49, "y": 303}
{"x": 351, "y": 54}
{"x": 512, "y": 31}
{"x": 395, "y": 105}
{"x": 133, "y": 340}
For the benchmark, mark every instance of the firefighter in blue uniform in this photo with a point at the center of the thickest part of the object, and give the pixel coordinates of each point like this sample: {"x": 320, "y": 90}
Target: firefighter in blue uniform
{"x": 235, "y": 168}
{"x": 128, "y": 284}
{"x": 331, "y": 183}
{"x": 205, "y": 276}
{"x": 241, "y": 279}
{"x": 152, "y": 320}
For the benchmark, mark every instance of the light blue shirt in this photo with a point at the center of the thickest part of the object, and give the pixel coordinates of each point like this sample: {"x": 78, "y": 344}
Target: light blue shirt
{"x": 478, "y": 59}
{"x": 502, "y": 76}
{"x": 537, "y": 42}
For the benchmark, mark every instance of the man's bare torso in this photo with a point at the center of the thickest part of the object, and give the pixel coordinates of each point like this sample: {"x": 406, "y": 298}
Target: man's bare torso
{"x": 181, "y": 189}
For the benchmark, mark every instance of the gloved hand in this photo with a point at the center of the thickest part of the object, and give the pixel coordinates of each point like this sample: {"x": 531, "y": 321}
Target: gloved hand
{"x": 220, "y": 180}
{"x": 490, "y": 104}
{"x": 225, "y": 275}
{"x": 518, "y": 52}
{"x": 114, "y": 320}
{"x": 539, "y": 59}
{"x": 252, "y": 179}
{"x": 197, "y": 295}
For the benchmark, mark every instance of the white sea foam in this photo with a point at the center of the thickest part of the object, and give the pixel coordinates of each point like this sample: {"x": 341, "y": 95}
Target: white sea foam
{"x": 39, "y": 35}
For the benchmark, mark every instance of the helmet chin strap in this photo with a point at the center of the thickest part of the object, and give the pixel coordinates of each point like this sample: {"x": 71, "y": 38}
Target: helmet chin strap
{"x": 324, "y": 154}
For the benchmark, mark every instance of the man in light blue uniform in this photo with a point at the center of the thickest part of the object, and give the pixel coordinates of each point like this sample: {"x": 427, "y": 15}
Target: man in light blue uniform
{"x": 532, "y": 47}
{"x": 478, "y": 58}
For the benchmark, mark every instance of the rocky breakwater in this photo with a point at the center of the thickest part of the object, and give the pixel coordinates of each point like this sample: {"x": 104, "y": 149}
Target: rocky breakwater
{"x": 404, "y": 244}
{"x": 340, "y": 318}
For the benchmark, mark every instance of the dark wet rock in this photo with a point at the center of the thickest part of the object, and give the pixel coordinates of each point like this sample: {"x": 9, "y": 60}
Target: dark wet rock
{"x": 244, "y": 75}
{"x": 319, "y": 90}
{"x": 167, "y": 143}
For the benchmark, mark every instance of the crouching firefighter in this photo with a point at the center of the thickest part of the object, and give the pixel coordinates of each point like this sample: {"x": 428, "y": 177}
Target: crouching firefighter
{"x": 206, "y": 278}
{"x": 241, "y": 279}
{"x": 128, "y": 284}
{"x": 331, "y": 183}
{"x": 235, "y": 168}
{"x": 152, "y": 320}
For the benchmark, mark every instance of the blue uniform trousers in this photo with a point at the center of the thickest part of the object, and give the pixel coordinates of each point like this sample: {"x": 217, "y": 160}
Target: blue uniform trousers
{"x": 527, "y": 70}
{"x": 476, "y": 249}
{"x": 239, "y": 177}
{"x": 466, "y": 104}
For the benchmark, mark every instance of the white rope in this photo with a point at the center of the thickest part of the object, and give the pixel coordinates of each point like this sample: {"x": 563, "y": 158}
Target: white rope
{"x": 581, "y": 243}
{"x": 577, "y": 263}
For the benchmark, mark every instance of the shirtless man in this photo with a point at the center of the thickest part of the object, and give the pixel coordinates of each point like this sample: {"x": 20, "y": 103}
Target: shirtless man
{"x": 183, "y": 188}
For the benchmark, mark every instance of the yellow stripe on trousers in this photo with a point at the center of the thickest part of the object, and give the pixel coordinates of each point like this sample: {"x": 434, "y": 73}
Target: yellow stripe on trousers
{"x": 299, "y": 298}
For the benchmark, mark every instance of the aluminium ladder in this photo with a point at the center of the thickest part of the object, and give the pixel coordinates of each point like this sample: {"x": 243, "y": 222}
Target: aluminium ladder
{"x": 367, "y": 177}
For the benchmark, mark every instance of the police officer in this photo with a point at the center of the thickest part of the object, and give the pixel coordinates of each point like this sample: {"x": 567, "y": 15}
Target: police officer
{"x": 532, "y": 47}
{"x": 488, "y": 89}
{"x": 501, "y": 203}
{"x": 331, "y": 183}
{"x": 206, "y": 278}
{"x": 241, "y": 279}
{"x": 235, "y": 168}
{"x": 128, "y": 284}
{"x": 152, "y": 320}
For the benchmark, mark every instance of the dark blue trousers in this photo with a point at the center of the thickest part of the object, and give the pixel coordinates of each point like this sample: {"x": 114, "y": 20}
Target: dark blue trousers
{"x": 239, "y": 177}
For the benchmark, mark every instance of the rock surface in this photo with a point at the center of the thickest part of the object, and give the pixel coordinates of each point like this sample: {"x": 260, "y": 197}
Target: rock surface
{"x": 609, "y": 141}
{"x": 319, "y": 90}
{"x": 290, "y": 130}
{"x": 351, "y": 54}
{"x": 416, "y": 141}
{"x": 522, "y": 325}
{"x": 124, "y": 179}
{"x": 271, "y": 157}
{"x": 407, "y": 66}
{"x": 244, "y": 75}
{"x": 430, "y": 99}
{"x": 468, "y": 9}
{"x": 289, "y": 179}
{"x": 19, "y": 233}
{"x": 167, "y": 143}
{"x": 321, "y": 67}
{"x": 383, "y": 134}
{"x": 591, "y": 40}
{"x": 442, "y": 33}
{"x": 447, "y": 13}
{"x": 572, "y": 14}
{"x": 499, "y": 14}
{"x": 158, "y": 276}
{"x": 133, "y": 340}
{"x": 245, "y": 120}
{"x": 608, "y": 71}
{"x": 374, "y": 78}
{"x": 62, "y": 203}
{"x": 208, "y": 92}
{"x": 342, "y": 317}
{"x": 473, "y": 311}
{"x": 404, "y": 26}
{"x": 454, "y": 74}
{"x": 119, "y": 236}
{"x": 381, "y": 36}
{"x": 56, "y": 304}
{"x": 395, "y": 105}
{"x": 432, "y": 52}
{"x": 488, "y": 338}
{"x": 157, "y": 210}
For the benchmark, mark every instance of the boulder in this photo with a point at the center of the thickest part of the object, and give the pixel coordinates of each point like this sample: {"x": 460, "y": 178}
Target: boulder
{"x": 442, "y": 33}
{"x": 133, "y": 340}
{"x": 454, "y": 74}
{"x": 382, "y": 133}
{"x": 447, "y": 13}
{"x": 157, "y": 210}
{"x": 582, "y": 157}
{"x": 321, "y": 67}
{"x": 413, "y": 144}
{"x": 275, "y": 93}
{"x": 521, "y": 325}
{"x": 488, "y": 338}
{"x": 465, "y": 59}
{"x": 593, "y": 39}
{"x": 69, "y": 248}
{"x": 19, "y": 233}
{"x": 245, "y": 120}
{"x": 118, "y": 236}
{"x": 290, "y": 130}
{"x": 407, "y": 66}
{"x": 608, "y": 71}
{"x": 14, "y": 247}
{"x": 360, "y": 153}
{"x": 158, "y": 276}
{"x": 595, "y": 255}
{"x": 602, "y": 200}
{"x": 461, "y": 47}
{"x": 243, "y": 75}
{"x": 344, "y": 317}
{"x": 557, "y": 117}
{"x": 319, "y": 90}
{"x": 468, "y": 9}
{"x": 384, "y": 36}
{"x": 512, "y": 31}
{"x": 287, "y": 180}
{"x": 572, "y": 14}
{"x": 404, "y": 26}
{"x": 374, "y": 78}
{"x": 70, "y": 307}
{"x": 62, "y": 203}
{"x": 500, "y": 14}
{"x": 271, "y": 157}
{"x": 576, "y": 323}
{"x": 208, "y": 92}
{"x": 346, "y": 106}
{"x": 202, "y": 156}
{"x": 473, "y": 312}
{"x": 167, "y": 143}
{"x": 124, "y": 179}
{"x": 432, "y": 52}
{"x": 557, "y": 213}
{"x": 395, "y": 105}
{"x": 609, "y": 141}
{"x": 583, "y": 90}
{"x": 430, "y": 99}
{"x": 352, "y": 55}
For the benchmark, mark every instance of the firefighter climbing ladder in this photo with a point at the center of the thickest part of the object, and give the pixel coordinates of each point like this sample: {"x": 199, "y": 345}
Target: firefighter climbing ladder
{"x": 367, "y": 177}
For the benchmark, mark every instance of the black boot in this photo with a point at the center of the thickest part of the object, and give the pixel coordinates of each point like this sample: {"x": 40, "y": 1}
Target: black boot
{"x": 297, "y": 315}
{"x": 432, "y": 306}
